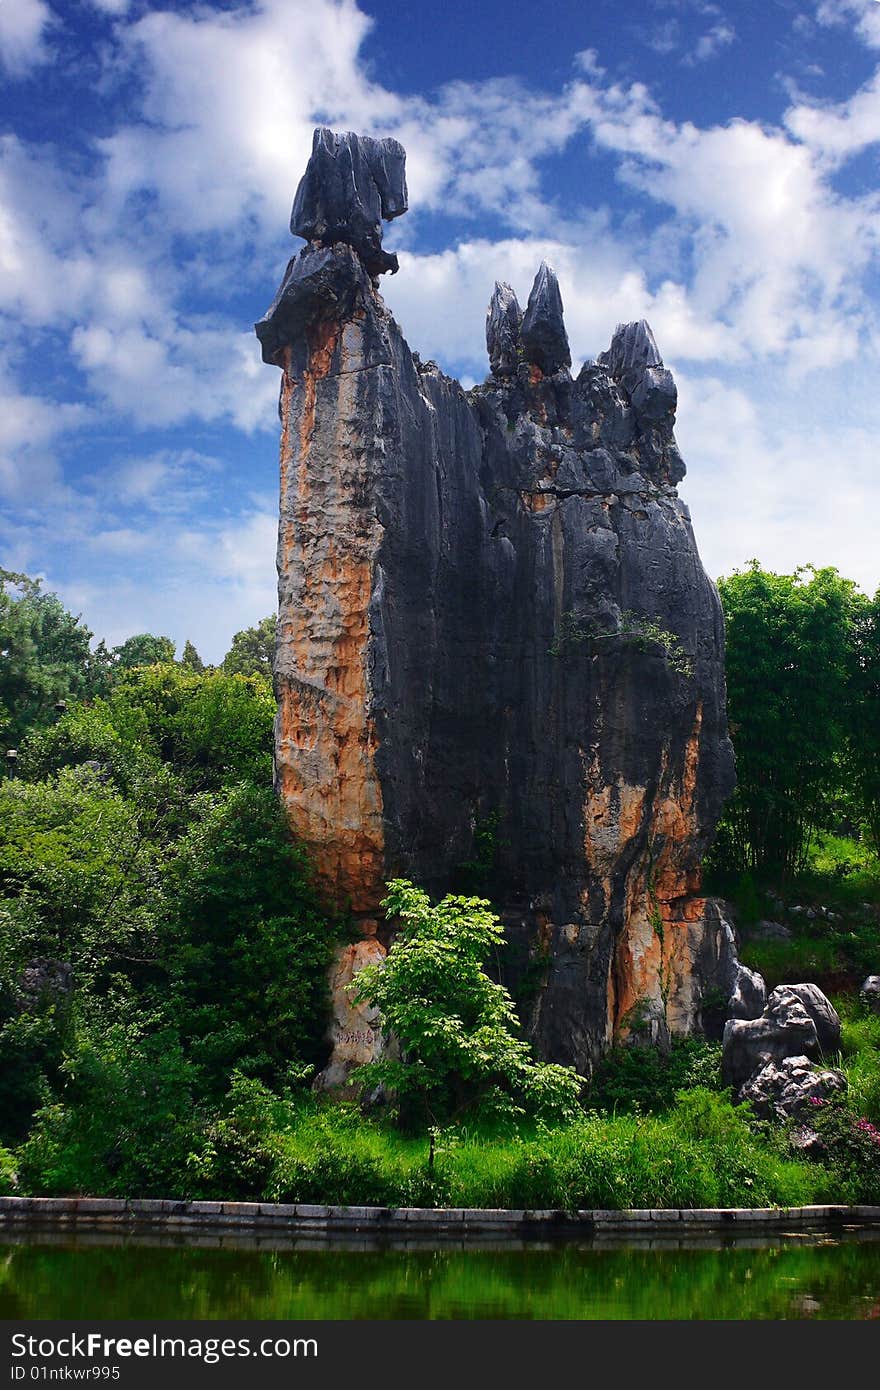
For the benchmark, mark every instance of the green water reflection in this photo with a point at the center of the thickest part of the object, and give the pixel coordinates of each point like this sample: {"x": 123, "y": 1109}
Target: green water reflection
{"x": 83, "y": 1277}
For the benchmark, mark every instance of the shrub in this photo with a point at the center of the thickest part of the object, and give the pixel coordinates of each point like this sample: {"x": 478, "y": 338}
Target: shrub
{"x": 456, "y": 1027}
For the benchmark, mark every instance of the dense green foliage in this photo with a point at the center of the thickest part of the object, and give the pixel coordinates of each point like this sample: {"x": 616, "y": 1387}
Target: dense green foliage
{"x": 252, "y": 650}
{"x": 457, "y": 1028}
{"x": 45, "y": 657}
{"x": 159, "y": 931}
{"x": 790, "y": 642}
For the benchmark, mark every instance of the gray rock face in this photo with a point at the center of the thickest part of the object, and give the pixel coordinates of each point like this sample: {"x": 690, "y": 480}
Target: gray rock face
{"x": 43, "y": 982}
{"x": 869, "y": 994}
{"x": 350, "y": 185}
{"x": 463, "y": 577}
{"x": 790, "y": 1089}
{"x": 784, "y": 1029}
{"x": 544, "y": 339}
{"x": 634, "y": 360}
{"x": 821, "y": 1011}
{"x": 503, "y": 321}
{"x": 749, "y": 996}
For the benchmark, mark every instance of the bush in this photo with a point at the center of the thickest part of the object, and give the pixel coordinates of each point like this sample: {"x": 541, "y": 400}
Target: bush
{"x": 853, "y": 1147}
{"x": 642, "y": 1078}
{"x": 125, "y": 1126}
{"x": 457, "y": 1028}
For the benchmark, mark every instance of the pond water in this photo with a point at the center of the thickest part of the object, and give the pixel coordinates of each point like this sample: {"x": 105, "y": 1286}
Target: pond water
{"x": 89, "y": 1275}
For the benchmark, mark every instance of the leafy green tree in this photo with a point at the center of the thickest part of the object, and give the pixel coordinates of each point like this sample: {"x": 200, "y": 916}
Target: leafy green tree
{"x": 253, "y": 650}
{"x": 144, "y": 650}
{"x": 863, "y": 721}
{"x": 45, "y": 657}
{"x": 789, "y": 654}
{"x": 191, "y": 659}
{"x": 252, "y": 944}
{"x": 457, "y": 1028}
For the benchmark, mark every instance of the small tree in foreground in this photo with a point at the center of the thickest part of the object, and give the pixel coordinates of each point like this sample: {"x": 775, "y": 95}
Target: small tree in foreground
{"x": 457, "y": 1028}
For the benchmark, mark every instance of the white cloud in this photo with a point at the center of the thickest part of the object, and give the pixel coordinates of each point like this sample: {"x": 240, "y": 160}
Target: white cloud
{"x": 775, "y": 488}
{"x": 22, "y": 31}
{"x": 737, "y": 247}
{"x": 720, "y": 36}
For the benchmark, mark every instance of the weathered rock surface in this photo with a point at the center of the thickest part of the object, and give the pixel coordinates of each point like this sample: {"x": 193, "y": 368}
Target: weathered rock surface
{"x": 784, "y": 1029}
{"x": 790, "y": 1089}
{"x": 543, "y": 335}
{"x": 351, "y": 184}
{"x": 749, "y": 996}
{"x": 821, "y": 1011}
{"x": 356, "y": 1031}
{"x": 492, "y": 611}
{"x": 503, "y": 322}
{"x": 869, "y": 994}
{"x": 634, "y": 360}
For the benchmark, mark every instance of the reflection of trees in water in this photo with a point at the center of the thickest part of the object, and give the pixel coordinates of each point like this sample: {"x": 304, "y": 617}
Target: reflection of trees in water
{"x": 822, "y": 1278}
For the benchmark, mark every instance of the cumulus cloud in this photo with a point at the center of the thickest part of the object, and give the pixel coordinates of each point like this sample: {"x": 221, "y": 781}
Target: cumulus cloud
{"x": 738, "y": 246}
{"x": 23, "y": 24}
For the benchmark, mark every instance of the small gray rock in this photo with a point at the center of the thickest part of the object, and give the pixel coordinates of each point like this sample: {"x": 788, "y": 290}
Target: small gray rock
{"x": 869, "y": 994}
{"x": 770, "y": 931}
{"x": 503, "y": 321}
{"x": 544, "y": 339}
{"x": 789, "y": 1089}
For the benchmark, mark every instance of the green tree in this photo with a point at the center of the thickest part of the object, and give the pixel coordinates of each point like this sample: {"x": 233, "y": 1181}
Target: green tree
{"x": 144, "y": 650}
{"x": 789, "y": 657}
{"x": 45, "y": 657}
{"x": 457, "y": 1028}
{"x": 252, "y": 944}
{"x": 253, "y": 650}
{"x": 863, "y": 721}
{"x": 191, "y": 659}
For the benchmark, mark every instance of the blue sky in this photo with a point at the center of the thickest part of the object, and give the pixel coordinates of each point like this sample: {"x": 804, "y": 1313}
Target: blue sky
{"x": 711, "y": 167}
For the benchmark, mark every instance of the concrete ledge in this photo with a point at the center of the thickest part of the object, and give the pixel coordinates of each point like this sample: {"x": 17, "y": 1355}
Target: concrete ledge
{"x": 113, "y": 1214}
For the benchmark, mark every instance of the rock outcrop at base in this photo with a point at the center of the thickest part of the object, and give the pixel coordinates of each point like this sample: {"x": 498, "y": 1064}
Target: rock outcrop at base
{"x": 495, "y": 631}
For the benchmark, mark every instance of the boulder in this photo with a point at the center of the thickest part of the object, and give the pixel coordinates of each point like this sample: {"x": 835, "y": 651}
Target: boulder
{"x": 791, "y": 1088}
{"x": 821, "y": 1011}
{"x": 784, "y": 1029}
{"x": 770, "y": 931}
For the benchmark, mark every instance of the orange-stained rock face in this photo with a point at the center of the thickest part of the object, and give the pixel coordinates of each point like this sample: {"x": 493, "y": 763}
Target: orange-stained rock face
{"x": 325, "y": 736}
{"x": 662, "y": 904}
{"x": 356, "y": 1029}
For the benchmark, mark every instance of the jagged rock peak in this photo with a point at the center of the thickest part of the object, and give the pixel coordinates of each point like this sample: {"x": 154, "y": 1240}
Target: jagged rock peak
{"x": 634, "y": 360}
{"x": 503, "y": 320}
{"x": 350, "y": 184}
{"x": 544, "y": 339}
{"x": 633, "y": 348}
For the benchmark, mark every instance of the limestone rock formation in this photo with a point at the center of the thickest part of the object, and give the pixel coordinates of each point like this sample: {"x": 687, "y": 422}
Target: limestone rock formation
{"x": 503, "y": 323}
{"x": 789, "y": 1090}
{"x": 544, "y": 339}
{"x": 492, "y": 614}
{"x": 797, "y": 1020}
{"x": 350, "y": 185}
